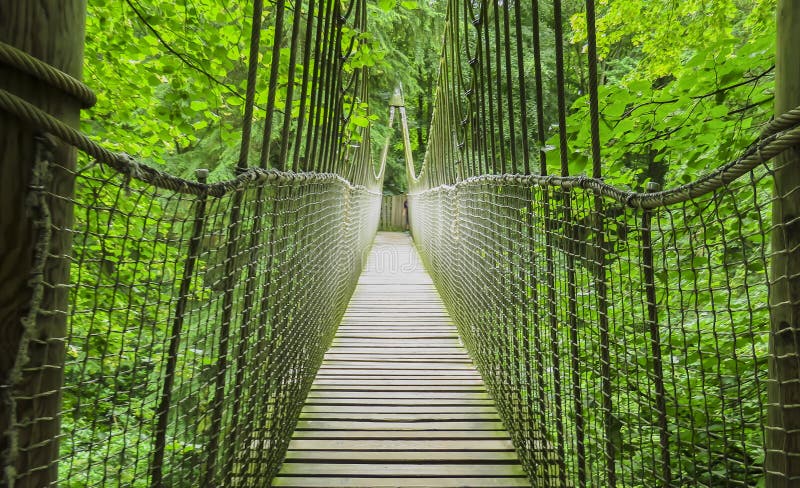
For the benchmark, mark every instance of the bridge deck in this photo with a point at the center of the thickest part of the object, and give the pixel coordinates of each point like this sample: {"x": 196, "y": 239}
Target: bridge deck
{"x": 397, "y": 401}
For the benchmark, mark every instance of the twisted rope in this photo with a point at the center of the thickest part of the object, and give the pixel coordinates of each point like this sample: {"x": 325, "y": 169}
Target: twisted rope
{"x": 782, "y": 122}
{"x": 37, "y": 205}
{"x": 54, "y": 77}
{"x": 126, "y": 165}
{"x": 779, "y": 135}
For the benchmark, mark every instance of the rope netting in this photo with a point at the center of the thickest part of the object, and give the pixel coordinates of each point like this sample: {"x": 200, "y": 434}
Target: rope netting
{"x": 639, "y": 360}
{"x": 195, "y": 314}
{"x": 624, "y": 332}
{"x": 175, "y": 326}
{"x": 197, "y": 324}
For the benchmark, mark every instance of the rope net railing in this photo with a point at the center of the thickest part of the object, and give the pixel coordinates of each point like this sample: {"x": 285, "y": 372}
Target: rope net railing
{"x": 664, "y": 382}
{"x": 189, "y": 351}
{"x": 175, "y": 326}
{"x": 624, "y": 331}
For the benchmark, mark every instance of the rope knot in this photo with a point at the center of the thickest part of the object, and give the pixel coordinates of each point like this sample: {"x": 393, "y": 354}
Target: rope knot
{"x": 130, "y": 169}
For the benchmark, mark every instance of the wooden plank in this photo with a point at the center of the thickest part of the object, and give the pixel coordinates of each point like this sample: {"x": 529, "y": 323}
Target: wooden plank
{"x": 397, "y": 401}
{"x": 378, "y": 350}
{"x": 369, "y": 482}
{"x": 400, "y": 417}
{"x": 345, "y": 336}
{"x": 402, "y": 445}
{"x": 388, "y": 381}
{"x": 396, "y": 365}
{"x": 392, "y": 425}
{"x": 402, "y": 358}
{"x": 393, "y": 343}
{"x": 439, "y": 330}
{"x": 354, "y": 370}
{"x": 327, "y": 400}
{"x": 402, "y": 434}
{"x": 463, "y": 388}
{"x": 369, "y": 304}
{"x": 391, "y": 469}
{"x": 396, "y": 322}
{"x": 413, "y": 456}
{"x": 400, "y": 306}
{"x": 415, "y": 395}
{"x": 398, "y": 409}
{"x": 405, "y": 379}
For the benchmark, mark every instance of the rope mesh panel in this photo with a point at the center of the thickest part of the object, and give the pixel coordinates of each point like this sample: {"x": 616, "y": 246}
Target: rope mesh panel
{"x": 499, "y": 254}
{"x": 197, "y": 313}
{"x": 625, "y": 336}
{"x": 133, "y": 293}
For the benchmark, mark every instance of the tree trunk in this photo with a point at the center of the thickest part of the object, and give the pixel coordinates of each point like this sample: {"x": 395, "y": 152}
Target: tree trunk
{"x": 783, "y": 414}
{"x": 52, "y": 31}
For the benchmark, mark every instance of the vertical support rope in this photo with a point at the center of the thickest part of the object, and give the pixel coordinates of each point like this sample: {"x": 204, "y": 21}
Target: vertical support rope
{"x": 230, "y": 278}
{"x": 277, "y": 40}
{"x": 163, "y": 410}
{"x": 648, "y": 271}
{"x": 283, "y": 159}
{"x": 252, "y": 78}
{"x": 599, "y": 222}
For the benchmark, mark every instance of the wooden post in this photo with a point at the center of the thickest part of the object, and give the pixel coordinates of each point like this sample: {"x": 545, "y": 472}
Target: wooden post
{"x": 52, "y": 31}
{"x": 783, "y": 415}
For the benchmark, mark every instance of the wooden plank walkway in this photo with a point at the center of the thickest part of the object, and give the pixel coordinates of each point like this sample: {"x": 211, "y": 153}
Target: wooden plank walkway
{"x": 397, "y": 401}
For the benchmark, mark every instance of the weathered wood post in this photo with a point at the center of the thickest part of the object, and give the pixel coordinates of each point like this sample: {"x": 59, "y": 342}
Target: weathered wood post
{"x": 30, "y": 397}
{"x": 783, "y": 416}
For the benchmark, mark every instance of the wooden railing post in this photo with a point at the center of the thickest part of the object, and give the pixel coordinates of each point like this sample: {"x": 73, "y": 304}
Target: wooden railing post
{"x": 782, "y": 462}
{"x": 31, "y": 361}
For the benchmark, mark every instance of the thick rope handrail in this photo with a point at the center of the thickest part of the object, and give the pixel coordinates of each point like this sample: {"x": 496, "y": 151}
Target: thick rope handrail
{"x": 54, "y": 77}
{"x": 782, "y": 122}
{"x": 126, "y": 165}
{"x": 767, "y": 147}
{"x": 780, "y": 135}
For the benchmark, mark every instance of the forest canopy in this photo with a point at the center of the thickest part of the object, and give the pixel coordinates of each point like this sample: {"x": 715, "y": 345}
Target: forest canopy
{"x": 685, "y": 78}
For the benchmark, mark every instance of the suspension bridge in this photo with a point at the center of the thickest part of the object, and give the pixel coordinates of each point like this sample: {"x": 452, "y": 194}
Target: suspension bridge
{"x": 542, "y": 329}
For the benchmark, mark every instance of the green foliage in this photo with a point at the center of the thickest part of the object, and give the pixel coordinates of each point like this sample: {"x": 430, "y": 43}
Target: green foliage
{"x": 689, "y": 98}
{"x": 678, "y": 97}
{"x": 155, "y": 103}
{"x": 409, "y": 36}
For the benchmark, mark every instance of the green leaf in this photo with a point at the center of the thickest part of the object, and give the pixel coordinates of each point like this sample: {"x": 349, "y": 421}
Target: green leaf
{"x": 386, "y": 5}
{"x": 360, "y": 121}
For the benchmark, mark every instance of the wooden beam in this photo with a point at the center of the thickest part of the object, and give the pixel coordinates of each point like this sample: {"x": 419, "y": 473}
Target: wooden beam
{"x": 783, "y": 411}
{"x": 52, "y": 31}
